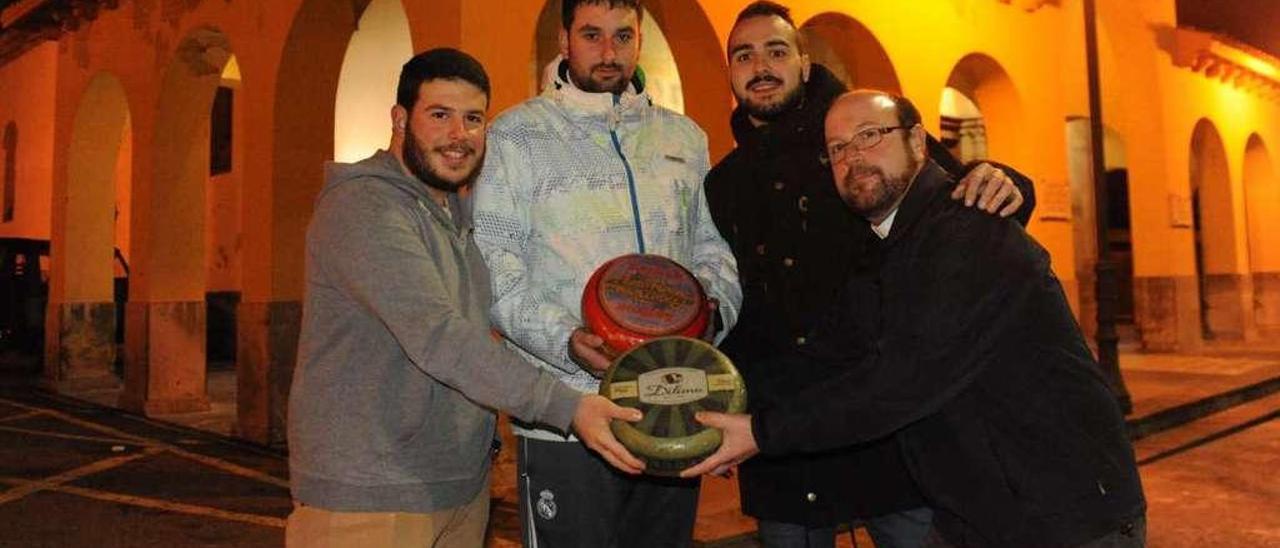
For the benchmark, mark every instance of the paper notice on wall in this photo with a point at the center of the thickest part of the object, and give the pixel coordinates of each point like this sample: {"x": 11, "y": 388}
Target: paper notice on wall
{"x": 1180, "y": 211}
{"x": 1053, "y": 200}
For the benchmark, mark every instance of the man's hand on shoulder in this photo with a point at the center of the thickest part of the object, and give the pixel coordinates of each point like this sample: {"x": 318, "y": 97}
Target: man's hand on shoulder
{"x": 991, "y": 189}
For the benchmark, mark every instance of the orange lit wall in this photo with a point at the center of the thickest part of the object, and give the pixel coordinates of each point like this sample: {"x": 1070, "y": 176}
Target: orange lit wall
{"x": 27, "y": 87}
{"x": 1024, "y": 62}
{"x": 925, "y": 40}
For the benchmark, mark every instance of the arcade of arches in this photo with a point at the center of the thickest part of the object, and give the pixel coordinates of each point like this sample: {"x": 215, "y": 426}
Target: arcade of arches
{"x": 171, "y": 157}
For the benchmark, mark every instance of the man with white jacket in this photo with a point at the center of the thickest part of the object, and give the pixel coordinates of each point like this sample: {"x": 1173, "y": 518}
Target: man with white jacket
{"x": 587, "y": 171}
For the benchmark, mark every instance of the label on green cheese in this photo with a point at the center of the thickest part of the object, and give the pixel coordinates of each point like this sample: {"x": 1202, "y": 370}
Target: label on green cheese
{"x": 690, "y": 385}
{"x": 672, "y": 386}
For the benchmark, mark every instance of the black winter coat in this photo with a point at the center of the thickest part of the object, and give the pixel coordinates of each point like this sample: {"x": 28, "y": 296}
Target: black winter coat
{"x": 776, "y": 205}
{"x": 954, "y": 338}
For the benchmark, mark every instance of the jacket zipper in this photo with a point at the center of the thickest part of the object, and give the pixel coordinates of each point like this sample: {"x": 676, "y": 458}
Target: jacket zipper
{"x": 615, "y": 118}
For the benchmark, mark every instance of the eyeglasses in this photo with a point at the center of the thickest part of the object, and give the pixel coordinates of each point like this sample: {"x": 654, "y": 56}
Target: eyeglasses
{"x": 864, "y": 139}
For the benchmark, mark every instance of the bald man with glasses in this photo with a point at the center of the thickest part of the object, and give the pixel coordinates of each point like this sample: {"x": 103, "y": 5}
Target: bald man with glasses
{"x": 954, "y": 341}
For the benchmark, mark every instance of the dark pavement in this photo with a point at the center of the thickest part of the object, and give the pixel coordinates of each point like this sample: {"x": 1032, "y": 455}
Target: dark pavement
{"x": 74, "y": 473}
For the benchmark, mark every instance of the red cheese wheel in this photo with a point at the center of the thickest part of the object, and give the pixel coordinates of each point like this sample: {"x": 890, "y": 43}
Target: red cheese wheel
{"x": 635, "y": 298}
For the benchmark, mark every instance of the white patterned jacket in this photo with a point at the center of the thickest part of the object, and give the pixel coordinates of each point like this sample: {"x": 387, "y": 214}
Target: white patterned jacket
{"x": 572, "y": 179}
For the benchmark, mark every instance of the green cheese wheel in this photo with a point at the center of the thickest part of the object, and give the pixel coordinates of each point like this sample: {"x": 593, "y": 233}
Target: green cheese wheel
{"x": 670, "y": 379}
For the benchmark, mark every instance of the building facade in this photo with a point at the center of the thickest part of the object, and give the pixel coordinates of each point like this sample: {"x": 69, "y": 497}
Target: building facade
{"x": 189, "y": 137}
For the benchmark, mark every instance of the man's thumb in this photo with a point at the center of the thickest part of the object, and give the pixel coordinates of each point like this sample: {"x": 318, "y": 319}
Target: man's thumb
{"x": 711, "y": 418}
{"x": 628, "y": 414}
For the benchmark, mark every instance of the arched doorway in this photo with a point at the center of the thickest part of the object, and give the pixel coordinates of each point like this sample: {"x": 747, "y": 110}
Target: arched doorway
{"x": 166, "y": 368}
{"x": 1218, "y": 258}
{"x": 367, "y": 85}
{"x": 980, "y": 95}
{"x": 302, "y": 125}
{"x": 88, "y": 268}
{"x": 1085, "y": 223}
{"x": 10, "y": 173}
{"x": 1262, "y": 193}
{"x": 683, "y": 63}
{"x": 23, "y": 292}
{"x": 222, "y": 229}
{"x": 850, "y": 51}
{"x": 962, "y": 128}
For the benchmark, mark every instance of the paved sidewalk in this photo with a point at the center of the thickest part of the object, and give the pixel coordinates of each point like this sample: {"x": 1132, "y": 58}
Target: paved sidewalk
{"x": 1158, "y": 382}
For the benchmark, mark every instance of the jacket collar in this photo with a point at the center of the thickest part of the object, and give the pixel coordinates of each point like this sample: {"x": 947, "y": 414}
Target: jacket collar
{"x": 804, "y": 125}
{"x": 560, "y": 88}
{"x": 930, "y": 184}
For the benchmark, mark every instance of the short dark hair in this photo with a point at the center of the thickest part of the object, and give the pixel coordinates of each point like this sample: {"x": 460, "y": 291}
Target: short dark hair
{"x": 765, "y": 8}
{"x": 568, "y": 7}
{"x": 908, "y": 114}
{"x": 439, "y": 64}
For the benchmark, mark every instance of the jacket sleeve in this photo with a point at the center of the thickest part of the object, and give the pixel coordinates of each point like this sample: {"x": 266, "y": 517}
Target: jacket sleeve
{"x": 369, "y": 247}
{"x": 962, "y": 299}
{"x": 713, "y": 261}
{"x": 535, "y": 322}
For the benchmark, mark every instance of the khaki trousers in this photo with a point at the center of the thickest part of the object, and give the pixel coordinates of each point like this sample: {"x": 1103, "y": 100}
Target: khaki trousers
{"x": 461, "y": 527}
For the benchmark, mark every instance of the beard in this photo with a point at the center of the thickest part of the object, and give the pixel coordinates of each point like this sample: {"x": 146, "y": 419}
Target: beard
{"x": 771, "y": 112}
{"x": 878, "y": 201}
{"x": 415, "y": 159}
{"x": 586, "y": 83}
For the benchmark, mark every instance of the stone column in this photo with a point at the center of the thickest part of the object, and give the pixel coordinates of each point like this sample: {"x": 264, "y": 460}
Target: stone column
{"x": 1087, "y": 293}
{"x": 1229, "y": 316}
{"x": 1167, "y": 312}
{"x": 1266, "y": 304}
{"x": 267, "y": 350}
{"x": 80, "y": 346}
{"x": 165, "y": 357}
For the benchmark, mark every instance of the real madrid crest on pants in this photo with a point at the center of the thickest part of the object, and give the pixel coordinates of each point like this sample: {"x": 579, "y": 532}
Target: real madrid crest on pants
{"x": 546, "y": 504}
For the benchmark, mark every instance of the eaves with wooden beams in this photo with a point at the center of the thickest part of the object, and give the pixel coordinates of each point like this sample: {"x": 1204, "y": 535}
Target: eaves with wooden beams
{"x": 25, "y": 24}
{"x": 1221, "y": 58}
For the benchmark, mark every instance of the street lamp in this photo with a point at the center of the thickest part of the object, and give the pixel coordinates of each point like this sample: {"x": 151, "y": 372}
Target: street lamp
{"x": 1107, "y": 286}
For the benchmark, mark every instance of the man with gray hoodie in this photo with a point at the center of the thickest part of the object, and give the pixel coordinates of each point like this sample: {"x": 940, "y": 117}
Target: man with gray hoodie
{"x": 391, "y": 418}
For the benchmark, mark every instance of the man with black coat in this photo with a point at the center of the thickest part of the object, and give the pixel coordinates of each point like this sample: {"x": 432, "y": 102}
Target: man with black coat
{"x": 953, "y": 339}
{"x": 774, "y": 201}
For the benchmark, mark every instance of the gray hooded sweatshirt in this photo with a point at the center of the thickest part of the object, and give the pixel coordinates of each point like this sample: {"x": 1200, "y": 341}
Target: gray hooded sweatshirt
{"x": 391, "y": 404}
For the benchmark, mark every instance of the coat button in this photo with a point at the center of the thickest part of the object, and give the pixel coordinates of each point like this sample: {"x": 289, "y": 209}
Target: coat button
{"x": 788, "y": 262}
{"x": 777, "y": 185}
{"x": 800, "y": 341}
{"x": 759, "y": 249}
{"x": 811, "y": 497}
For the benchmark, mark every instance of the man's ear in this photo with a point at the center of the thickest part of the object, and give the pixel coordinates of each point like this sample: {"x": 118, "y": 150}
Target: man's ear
{"x": 804, "y": 67}
{"x": 399, "y": 118}
{"x": 919, "y": 142}
{"x": 564, "y": 43}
